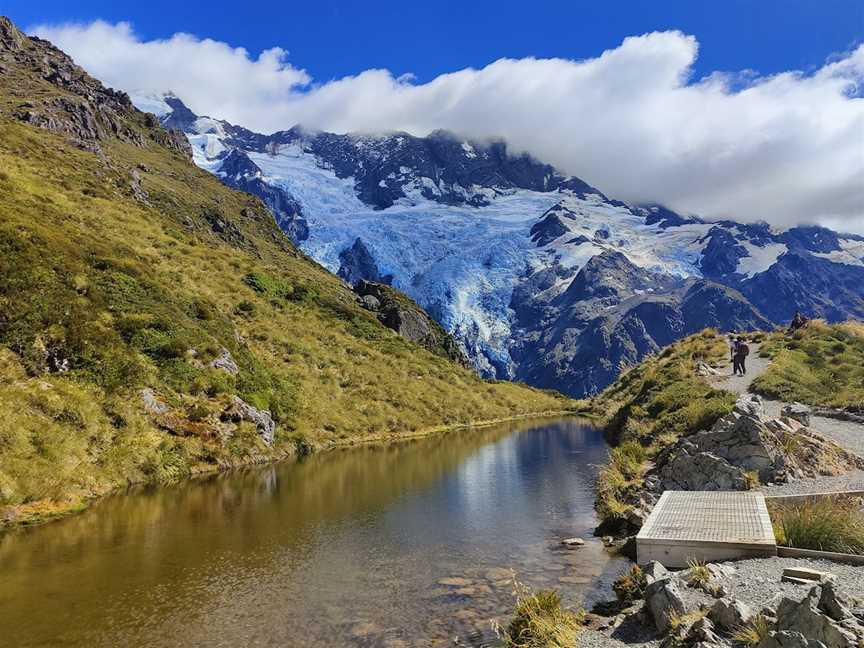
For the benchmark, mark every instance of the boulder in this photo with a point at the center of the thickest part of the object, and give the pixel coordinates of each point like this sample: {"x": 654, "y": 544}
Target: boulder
{"x": 807, "y": 618}
{"x": 798, "y": 412}
{"x": 663, "y": 600}
{"x": 225, "y": 362}
{"x": 152, "y": 404}
{"x": 834, "y": 603}
{"x": 787, "y": 639}
{"x": 240, "y": 410}
{"x": 370, "y": 302}
{"x": 729, "y": 614}
{"x": 573, "y": 543}
{"x": 654, "y": 571}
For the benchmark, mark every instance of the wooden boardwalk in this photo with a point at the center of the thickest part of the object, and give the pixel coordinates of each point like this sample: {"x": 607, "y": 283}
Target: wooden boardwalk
{"x": 706, "y": 526}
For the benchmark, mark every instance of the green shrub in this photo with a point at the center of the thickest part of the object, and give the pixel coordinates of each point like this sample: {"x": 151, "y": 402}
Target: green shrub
{"x": 541, "y": 622}
{"x": 630, "y": 586}
{"x": 825, "y": 524}
{"x": 821, "y": 365}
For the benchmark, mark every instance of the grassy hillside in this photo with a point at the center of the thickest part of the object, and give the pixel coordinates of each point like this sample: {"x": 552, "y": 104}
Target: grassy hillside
{"x": 124, "y": 267}
{"x": 649, "y": 407}
{"x": 819, "y": 364}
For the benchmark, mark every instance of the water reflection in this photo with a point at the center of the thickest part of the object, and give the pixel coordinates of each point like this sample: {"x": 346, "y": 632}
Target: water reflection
{"x": 405, "y": 545}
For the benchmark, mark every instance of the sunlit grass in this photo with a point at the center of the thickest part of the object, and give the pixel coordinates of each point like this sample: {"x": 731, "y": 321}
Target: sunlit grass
{"x": 819, "y": 364}
{"x": 824, "y": 524}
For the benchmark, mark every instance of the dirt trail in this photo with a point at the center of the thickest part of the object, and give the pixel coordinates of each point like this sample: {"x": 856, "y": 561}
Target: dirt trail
{"x": 846, "y": 434}
{"x": 755, "y": 366}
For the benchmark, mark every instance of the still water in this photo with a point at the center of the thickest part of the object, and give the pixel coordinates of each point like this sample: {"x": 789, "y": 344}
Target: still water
{"x": 407, "y": 545}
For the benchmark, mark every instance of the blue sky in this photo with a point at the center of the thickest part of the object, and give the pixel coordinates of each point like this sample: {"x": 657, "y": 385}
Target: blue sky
{"x": 334, "y": 39}
{"x": 744, "y": 109}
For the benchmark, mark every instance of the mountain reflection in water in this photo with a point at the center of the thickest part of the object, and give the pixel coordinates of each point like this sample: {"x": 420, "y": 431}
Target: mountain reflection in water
{"x": 410, "y": 544}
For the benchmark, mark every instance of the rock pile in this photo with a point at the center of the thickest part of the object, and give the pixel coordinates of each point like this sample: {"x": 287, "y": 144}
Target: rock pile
{"x": 746, "y": 448}
{"x": 91, "y": 112}
{"x": 685, "y": 615}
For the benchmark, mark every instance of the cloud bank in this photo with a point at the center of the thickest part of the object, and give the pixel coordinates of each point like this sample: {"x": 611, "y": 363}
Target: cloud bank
{"x": 786, "y": 149}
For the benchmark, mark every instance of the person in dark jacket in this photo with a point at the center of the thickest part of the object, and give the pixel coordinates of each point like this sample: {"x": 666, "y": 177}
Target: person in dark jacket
{"x": 798, "y": 321}
{"x": 740, "y": 356}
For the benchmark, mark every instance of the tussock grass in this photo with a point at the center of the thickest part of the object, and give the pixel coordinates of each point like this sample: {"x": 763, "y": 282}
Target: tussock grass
{"x": 753, "y": 632}
{"x": 630, "y": 586}
{"x": 819, "y": 364}
{"x": 622, "y": 473}
{"x": 121, "y": 294}
{"x": 540, "y": 621}
{"x": 698, "y": 573}
{"x": 651, "y": 406}
{"x": 829, "y": 524}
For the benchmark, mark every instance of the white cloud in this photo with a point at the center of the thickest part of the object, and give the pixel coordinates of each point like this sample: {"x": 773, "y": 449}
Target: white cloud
{"x": 786, "y": 149}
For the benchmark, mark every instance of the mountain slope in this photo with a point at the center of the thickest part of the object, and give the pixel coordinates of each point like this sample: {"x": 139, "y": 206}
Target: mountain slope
{"x": 154, "y": 322}
{"x": 489, "y": 243}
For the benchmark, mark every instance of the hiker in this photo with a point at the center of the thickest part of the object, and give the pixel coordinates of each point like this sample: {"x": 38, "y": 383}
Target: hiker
{"x": 731, "y": 340}
{"x": 739, "y": 357}
{"x": 798, "y": 321}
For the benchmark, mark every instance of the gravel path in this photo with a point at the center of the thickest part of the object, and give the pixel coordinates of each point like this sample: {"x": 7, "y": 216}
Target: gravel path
{"x": 755, "y": 365}
{"x": 845, "y": 433}
{"x": 757, "y": 581}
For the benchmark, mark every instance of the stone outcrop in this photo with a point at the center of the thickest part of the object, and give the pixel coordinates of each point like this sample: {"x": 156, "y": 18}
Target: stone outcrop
{"x": 687, "y": 618}
{"x": 822, "y": 616}
{"x": 398, "y": 312}
{"x": 745, "y": 448}
{"x": 663, "y": 601}
{"x": 225, "y": 362}
{"x": 89, "y": 113}
{"x": 240, "y": 410}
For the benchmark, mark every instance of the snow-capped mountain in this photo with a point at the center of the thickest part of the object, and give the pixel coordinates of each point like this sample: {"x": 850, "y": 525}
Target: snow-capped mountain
{"x": 539, "y": 276}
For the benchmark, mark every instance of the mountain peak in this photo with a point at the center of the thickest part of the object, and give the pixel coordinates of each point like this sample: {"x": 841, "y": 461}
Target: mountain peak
{"x": 11, "y": 38}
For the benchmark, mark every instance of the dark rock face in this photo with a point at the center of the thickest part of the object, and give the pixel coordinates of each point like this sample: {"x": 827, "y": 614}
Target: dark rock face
{"x": 720, "y": 257}
{"x": 239, "y": 172}
{"x": 611, "y": 316}
{"x": 813, "y": 285}
{"x": 181, "y": 118}
{"x": 396, "y": 311}
{"x": 358, "y": 265}
{"x": 93, "y": 114}
{"x": 548, "y": 229}
{"x": 664, "y": 217}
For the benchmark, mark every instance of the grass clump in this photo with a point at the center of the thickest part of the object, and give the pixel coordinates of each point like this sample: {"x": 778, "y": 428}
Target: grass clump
{"x": 825, "y": 524}
{"x": 630, "y": 586}
{"x": 753, "y": 632}
{"x": 819, "y": 364}
{"x": 698, "y": 573}
{"x": 540, "y": 621}
{"x": 620, "y": 477}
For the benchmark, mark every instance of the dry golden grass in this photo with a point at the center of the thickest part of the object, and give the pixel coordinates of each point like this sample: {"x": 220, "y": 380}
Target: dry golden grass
{"x": 134, "y": 294}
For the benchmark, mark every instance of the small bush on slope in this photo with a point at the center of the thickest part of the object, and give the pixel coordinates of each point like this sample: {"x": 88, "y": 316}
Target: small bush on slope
{"x": 819, "y": 364}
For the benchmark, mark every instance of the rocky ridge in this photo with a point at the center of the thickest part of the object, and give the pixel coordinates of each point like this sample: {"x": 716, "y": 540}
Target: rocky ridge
{"x": 744, "y": 450}
{"x": 516, "y": 259}
{"x": 706, "y": 607}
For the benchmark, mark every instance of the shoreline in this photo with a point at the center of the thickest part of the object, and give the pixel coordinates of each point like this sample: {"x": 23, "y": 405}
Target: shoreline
{"x": 41, "y": 512}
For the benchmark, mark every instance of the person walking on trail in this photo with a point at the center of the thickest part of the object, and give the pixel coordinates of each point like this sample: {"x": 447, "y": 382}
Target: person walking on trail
{"x": 798, "y": 321}
{"x": 732, "y": 343}
{"x": 739, "y": 357}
